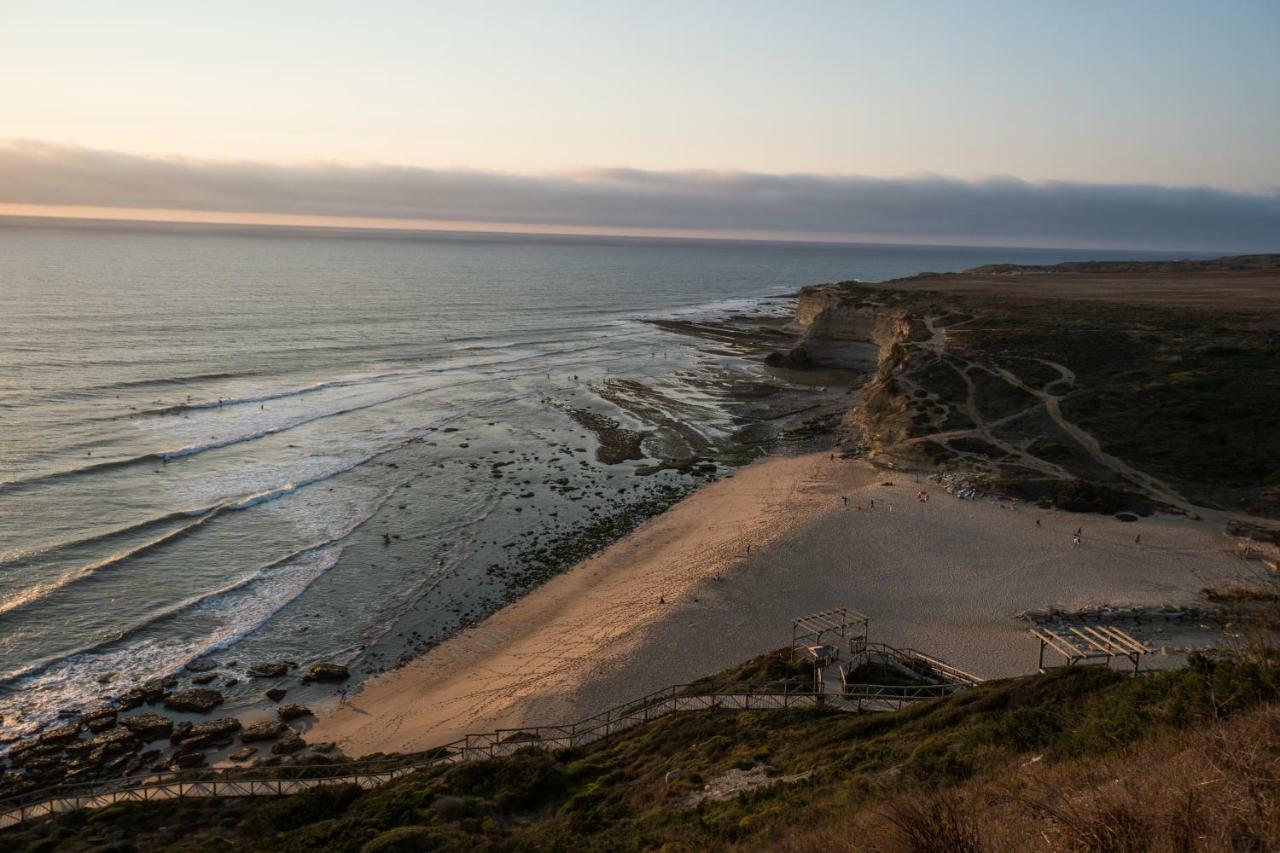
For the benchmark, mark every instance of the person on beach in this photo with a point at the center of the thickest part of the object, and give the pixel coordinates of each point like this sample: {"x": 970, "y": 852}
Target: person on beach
{"x": 1137, "y": 540}
{"x": 872, "y": 505}
{"x": 1037, "y": 523}
{"x": 1075, "y": 539}
{"x": 844, "y": 499}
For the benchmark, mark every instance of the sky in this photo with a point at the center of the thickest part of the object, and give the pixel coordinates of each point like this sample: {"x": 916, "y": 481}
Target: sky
{"x": 966, "y": 121}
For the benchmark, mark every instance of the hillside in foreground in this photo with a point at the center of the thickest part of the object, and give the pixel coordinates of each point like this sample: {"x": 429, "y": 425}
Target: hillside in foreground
{"x": 1082, "y": 759}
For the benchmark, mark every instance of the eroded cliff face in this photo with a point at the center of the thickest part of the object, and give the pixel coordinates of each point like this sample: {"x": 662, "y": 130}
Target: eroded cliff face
{"x": 843, "y": 329}
{"x": 840, "y": 330}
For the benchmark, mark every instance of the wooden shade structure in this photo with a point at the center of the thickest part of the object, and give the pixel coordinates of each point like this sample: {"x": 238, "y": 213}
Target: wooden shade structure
{"x": 1081, "y": 644}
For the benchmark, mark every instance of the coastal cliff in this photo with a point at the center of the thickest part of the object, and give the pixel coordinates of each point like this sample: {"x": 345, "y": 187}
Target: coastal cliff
{"x": 842, "y": 330}
{"x": 1049, "y": 393}
{"x": 842, "y": 327}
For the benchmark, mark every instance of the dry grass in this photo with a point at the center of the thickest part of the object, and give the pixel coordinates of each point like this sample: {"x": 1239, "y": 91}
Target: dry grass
{"x": 1212, "y": 789}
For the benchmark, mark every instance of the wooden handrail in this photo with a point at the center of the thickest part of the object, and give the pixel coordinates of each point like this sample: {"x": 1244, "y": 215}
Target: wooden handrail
{"x": 281, "y": 781}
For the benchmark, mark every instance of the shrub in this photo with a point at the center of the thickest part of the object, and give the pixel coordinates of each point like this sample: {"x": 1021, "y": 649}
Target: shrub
{"x": 419, "y": 839}
{"x": 286, "y": 813}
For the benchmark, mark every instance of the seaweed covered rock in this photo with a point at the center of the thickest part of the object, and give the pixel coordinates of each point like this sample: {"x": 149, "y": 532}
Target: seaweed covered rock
{"x": 327, "y": 672}
{"x": 199, "y": 700}
{"x": 265, "y": 730}
{"x": 148, "y": 726}
{"x": 293, "y": 712}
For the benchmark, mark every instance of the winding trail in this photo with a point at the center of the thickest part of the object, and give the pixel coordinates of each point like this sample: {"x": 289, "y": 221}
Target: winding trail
{"x": 1157, "y": 489}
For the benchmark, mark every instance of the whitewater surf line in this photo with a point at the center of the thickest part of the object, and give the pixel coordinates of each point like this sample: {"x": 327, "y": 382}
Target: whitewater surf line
{"x": 166, "y": 456}
{"x": 257, "y": 575}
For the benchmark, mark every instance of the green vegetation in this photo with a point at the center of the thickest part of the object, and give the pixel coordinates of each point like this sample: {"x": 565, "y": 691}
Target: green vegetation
{"x": 777, "y": 666}
{"x": 1189, "y": 396}
{"x": 894, "y": 775}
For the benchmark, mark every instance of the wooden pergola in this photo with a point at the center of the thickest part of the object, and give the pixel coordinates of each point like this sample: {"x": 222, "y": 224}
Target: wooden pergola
{"x": 1083, "y": 645}
{"x": 838, "y": 624}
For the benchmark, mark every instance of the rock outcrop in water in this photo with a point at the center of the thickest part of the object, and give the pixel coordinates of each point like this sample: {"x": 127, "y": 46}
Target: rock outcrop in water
{"x": 327, "y": 672}
{"x": 841, "y": 330}
{"x": 198, "y": 700}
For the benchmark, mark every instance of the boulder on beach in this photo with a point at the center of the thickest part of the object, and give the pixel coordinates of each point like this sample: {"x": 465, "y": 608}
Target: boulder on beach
{"x": 100, "y": 724}
{"x": 220, "y": 727}
{"x": 199, "y": 700}
{"x": 265, "y": 730}
{"x": 131, "y": 699}
{"x": 293, "y": 712}
{"x": 149, "y": 726}
{"x": 98, "y": 713}
{"x": 23, "y": 753}
{"x": 289, "y": 743}
{"x": 110, "y": 744}
{"x": 243, "y": 754}
{"x": 187, "y": 760}
{"x": 61, "y": 734}
{"x": 200, "y": 665}
{"x": 797, "y": 358}
{"x": 212, "y": 733}
{"x": 275, "y": 694}
{"x": 327, "y": 672}
{"x": 207, "y": 678}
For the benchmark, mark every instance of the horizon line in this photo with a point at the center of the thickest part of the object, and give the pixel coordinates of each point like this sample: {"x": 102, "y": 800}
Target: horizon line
{"x": 325, "y": 222}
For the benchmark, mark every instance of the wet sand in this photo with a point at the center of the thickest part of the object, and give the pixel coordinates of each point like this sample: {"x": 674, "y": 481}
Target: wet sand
{"x": 681, "y": 597}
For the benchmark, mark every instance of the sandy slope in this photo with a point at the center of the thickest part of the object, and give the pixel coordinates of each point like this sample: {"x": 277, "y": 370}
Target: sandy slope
{"x": 945, "y": 577}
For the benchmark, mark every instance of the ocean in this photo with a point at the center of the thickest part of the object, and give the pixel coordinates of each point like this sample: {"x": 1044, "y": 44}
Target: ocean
{"x": 263, "y": 444}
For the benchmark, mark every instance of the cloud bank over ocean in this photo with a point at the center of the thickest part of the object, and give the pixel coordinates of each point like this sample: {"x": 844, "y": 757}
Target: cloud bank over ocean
{"x": 917, "y": 209}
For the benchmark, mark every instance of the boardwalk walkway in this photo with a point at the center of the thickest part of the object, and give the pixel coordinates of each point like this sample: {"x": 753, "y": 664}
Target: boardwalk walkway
{"x": 294, "y": 779}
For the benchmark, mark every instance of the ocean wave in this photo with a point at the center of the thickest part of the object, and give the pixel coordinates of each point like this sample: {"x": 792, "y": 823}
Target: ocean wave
{"x": 9, "y": 558}
{"x": 159, "y": 381}
{"x": 229, "y": 402}
{"x": 32, "y": 595}
{"x": 33, "y": 696}
{"x": 485, "y": 374}
{"x": 199, "y": 600}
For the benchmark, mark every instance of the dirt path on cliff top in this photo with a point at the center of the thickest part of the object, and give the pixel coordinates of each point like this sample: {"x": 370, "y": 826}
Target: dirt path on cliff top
{"x": 1156, "y": 489}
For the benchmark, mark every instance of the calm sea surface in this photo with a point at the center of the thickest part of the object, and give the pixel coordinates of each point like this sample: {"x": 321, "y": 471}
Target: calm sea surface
{"x": 209, "y": 439}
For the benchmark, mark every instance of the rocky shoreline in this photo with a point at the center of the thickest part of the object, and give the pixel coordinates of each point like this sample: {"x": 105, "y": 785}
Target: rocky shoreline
{"x": 168, "y": 725}
{"x": 164, "y": 726}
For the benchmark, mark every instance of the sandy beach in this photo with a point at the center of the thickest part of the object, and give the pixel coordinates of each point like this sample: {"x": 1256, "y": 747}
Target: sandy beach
{"x": 683, "y": 596}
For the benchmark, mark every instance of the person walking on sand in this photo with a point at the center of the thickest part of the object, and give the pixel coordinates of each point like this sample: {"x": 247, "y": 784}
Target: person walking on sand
{"x": 1137, "y": 540}
{"x": 1037, "y": 523}
{"x": 844, "y": 499}
{"x": 1075, "y": 539}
